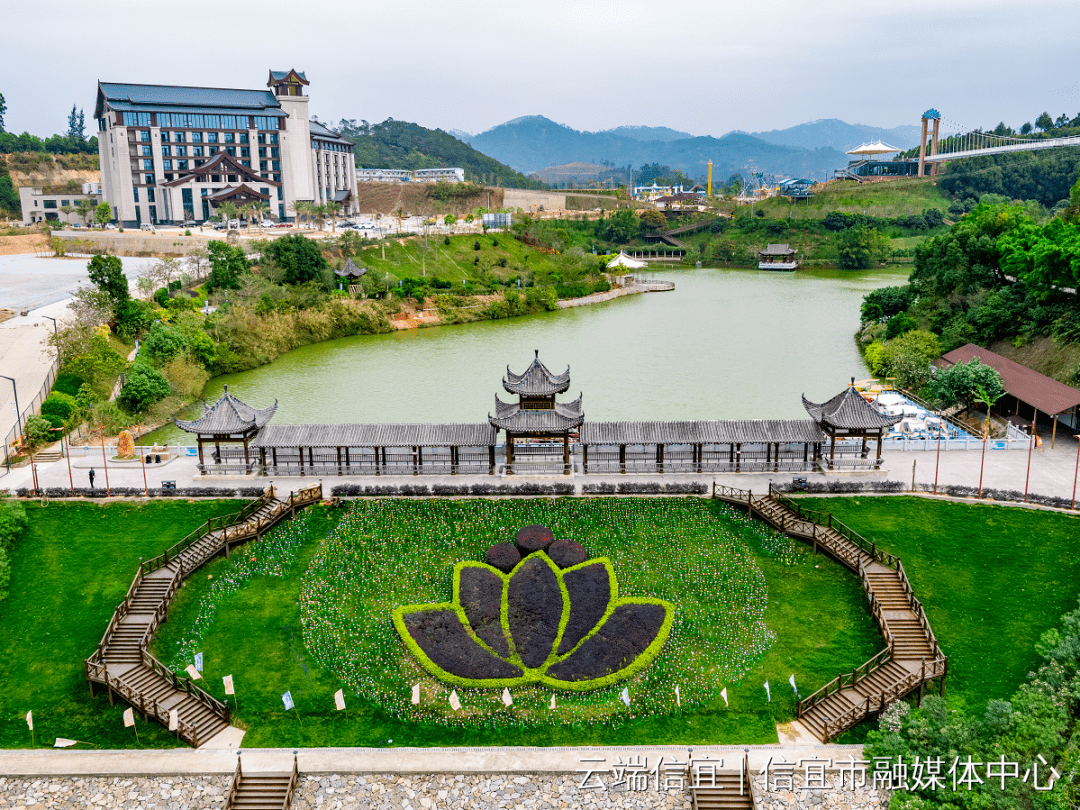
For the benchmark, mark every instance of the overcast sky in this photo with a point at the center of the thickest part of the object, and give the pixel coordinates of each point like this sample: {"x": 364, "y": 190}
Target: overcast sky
{"x": 703, "y": 67}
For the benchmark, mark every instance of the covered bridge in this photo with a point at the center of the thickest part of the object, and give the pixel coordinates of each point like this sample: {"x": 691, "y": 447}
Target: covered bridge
{"x": 1029, "y": 394}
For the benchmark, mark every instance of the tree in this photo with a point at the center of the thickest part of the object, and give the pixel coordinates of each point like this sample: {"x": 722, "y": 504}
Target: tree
{"x": 333, "y": 211}
{"x": 107, "y": 274}
{"x": 73, "y": 123}
{"x": 317, "y": 212}
{"x": 1026, "y": 129}
{"x": 228, "y": 211}
{"x": 227, "y": 263}
{"x": 82, "y": 126}
{"x": 1044, "y": 122}
{"x": 959, "y": 384}
{"x": 859, "y": 247}
{"x": 885, "y": 302}
{"x": 37, "y": 430}
{"x": 908, "y": 357}
{"x": 103, "y": 213}
{"x": 653, "y": 220}
{"x": 87, "y": 209}
{"x": 299, "y": 257}
{"x": 144, "y": 386}
{"x": 3, "y": 109}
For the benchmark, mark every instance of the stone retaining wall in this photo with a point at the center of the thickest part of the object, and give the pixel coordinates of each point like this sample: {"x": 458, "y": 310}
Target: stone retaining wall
{"x": 115, "y": 792}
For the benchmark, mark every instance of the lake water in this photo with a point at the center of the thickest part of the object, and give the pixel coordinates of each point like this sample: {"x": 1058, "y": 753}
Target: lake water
{"x": 725, "y": 344}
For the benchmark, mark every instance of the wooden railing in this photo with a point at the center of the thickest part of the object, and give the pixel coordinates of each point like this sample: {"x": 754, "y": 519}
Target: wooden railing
{"x": 845, "y": 680}
{"x": 230, "y": 529}
{"x": 292, "y": 783}
{"x": 234, "y": 785}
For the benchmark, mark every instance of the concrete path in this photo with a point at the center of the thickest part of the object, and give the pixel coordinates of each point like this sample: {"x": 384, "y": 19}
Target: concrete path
{"x": 394, "y": 760}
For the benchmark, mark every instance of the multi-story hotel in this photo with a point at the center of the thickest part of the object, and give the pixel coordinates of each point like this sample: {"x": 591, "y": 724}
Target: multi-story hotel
{"x": 172, "y": 154}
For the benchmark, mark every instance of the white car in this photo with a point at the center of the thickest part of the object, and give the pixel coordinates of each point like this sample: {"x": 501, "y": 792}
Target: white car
{"x": 267, "y": 224}
{"x": 110, "y": 226}
{"x": 234, "y": 224}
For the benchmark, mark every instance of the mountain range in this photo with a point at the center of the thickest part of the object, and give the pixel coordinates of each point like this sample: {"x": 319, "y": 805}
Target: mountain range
{"x": 533, "y": 143}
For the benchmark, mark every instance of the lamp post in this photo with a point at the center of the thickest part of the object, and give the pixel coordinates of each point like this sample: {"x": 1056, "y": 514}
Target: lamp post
{"x": 104, "y": 460}
{"x": 937, "y": 463}
{"x": 1027, "y": 477}
{"x": 18, "y": 415}
{"x": 142, "y": 461}
{"x": 67, "y": 455}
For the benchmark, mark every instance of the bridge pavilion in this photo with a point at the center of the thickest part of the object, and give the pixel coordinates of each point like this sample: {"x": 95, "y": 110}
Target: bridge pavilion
{"x": 228, "y": 422}
{"x": 849, "y": 416}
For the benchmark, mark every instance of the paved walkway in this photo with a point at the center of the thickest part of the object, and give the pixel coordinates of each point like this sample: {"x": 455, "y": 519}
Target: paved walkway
{"x": 1052, "y": 473}
{"x": 392, "y": 760}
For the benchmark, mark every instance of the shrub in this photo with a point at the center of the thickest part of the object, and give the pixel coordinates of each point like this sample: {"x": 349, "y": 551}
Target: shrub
{"x": 145, "y": 385}
{"x": 58, "y": 404}
{"x": 163, "y": 343}
{"x": 67, "y": 384}
{"x": 299, "y": 256}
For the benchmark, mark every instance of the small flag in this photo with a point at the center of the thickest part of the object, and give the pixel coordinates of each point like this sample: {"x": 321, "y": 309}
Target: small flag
{"x": 198, "y": 661}
{"x": 791, "y": 680}
{"x": 455, "y": 704}
{"x": 229, "y": 688}
{"x": 129, "y": 717}
{"x": 678, "y": 697}
{"x": 287, "y": 700}
{"x": 768, "y": 694}
{"x": 625, "y": 696}
{"x": 507, "y": 700}
{"x": 552, "y": 704}
{"x": 416, "y": 694}
{"x": 30, "y": 720}
{"x": 339, "y": 699}
{"x": 723, "y": 694}
{"x": 193, "y": 673}
{"x": 62, "y": 743}
{"x": 174, "y": 719}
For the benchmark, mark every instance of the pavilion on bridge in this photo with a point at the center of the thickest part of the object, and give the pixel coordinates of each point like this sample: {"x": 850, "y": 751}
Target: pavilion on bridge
{"x": 228, "y": 422}
{"x": 848, "y": 415}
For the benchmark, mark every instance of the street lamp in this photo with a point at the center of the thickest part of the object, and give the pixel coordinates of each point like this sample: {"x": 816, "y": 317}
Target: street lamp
{"x": 18, "y": 416}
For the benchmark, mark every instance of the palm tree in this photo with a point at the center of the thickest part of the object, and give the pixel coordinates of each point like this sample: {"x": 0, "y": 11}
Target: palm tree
{"x": 318, "y": 213}
{"x": 259, "y": 209}
{"x": 300, "y": 208}
{"x": 333, "y": 209}
{"x": 227, "y": 211}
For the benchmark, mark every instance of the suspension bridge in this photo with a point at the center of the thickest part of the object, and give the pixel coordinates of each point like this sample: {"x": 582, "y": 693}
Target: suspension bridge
{"x": 961, "y": 141}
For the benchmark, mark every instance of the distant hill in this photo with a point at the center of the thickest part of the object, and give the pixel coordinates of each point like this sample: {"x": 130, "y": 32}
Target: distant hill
{"x": 533, "y": 143}
{"x": 571, "y": 173}
{"x": 649, "y": 133}
{"x": 832, "y": 133}
{"x": 403, "y": 145}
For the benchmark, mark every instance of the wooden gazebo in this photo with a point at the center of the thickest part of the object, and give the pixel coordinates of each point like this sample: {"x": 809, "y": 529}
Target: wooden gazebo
{"x": 227, "y": 422}
{"x": 536, "y": 415}
{"x": 849, "y": 415}
{"x": 352, "y": 274}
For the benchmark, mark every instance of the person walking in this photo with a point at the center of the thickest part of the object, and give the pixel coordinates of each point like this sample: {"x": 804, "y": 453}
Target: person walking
{"x": 92, "y": 478}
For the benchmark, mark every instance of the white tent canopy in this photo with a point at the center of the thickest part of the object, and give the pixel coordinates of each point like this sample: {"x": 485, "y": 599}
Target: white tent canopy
{"x": 622, "y": 260}
{"x": 873, "y": 148}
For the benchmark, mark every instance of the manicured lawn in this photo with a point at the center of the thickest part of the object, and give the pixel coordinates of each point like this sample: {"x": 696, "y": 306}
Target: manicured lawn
{"x": 68, "y": 573}
{"x": 992, "y": 580}
{"x": 815, "y": 608}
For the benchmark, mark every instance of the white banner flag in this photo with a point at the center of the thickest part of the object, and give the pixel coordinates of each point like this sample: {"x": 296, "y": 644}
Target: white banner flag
{"x": 62, "y": 743}
{"x": 625, "y": 696}
{"x": 287, "y": 700}
{"x": 723, "y": 694}
{"x": 791, "y": 680}
{"x": 30, "y": 720}
{"x": 339, "y": 699}
{"x": 507, "y": 700}
{"x": 129, "y": 717}
{"x": 416, "y": 694}
{"x": 552, "y": 704}
{"x": 678, "y": 697}
{"x": 768, "y": 694}
{"x": 174, "y": 719}
{"x": 455, "y": 704}
{"x": 193, "y": 673}
{"x": 229, "y": 688}
{"x": 198, "y": 661}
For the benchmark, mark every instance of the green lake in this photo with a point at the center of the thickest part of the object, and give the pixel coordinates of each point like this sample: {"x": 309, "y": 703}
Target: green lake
{"x": 725, "y": 344}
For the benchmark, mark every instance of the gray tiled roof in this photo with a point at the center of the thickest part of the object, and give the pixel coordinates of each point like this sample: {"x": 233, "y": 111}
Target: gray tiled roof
{"x": 325, "y": 133}
{"x": 391, "y": 435}
{"x": 776, "y": 250}
{"x": 350, "y": 270}
{"x": 510, "y": 416}
{"x": 537, "y": 380}
{"x": 848, "y": 410}
{"x": 125, "y": 106}
{"x": 184, "y": 98}
{"x": 228, "y": 415}
{"x": 278, "y": 75}
{"x": 728, "y": 431}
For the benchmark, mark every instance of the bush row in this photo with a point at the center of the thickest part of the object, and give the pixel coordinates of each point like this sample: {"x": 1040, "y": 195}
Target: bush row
{"x": 952, "y": 490}
{"x": 420, "y": 490}
{"x": 646, "y": 488}
{"x": 139, "y": 492}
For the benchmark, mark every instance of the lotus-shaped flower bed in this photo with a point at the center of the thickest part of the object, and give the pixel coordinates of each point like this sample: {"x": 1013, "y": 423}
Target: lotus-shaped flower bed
{"x": 565, "y": 627}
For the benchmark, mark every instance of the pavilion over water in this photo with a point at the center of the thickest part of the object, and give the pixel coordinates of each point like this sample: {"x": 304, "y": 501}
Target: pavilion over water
{"x": 539, "y": 433}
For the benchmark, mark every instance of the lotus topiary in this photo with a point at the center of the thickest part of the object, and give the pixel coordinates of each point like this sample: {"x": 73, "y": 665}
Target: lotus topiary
{"x": 565, "y": 628}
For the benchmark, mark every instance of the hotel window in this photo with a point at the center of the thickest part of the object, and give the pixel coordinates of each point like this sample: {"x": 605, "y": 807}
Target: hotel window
{"x": 273, "y": 137}
{"x": 262, "y": 138}
{"x": 166, "y": 150}
{"x": 48, "y": 203}
{"x": 199, "y": 163}
{"x": 181, "y": 151}
{"x": 196, "y": 151}
{"x": 245, "y": 151}
{"x": 178, "y": 137}
{"x": 277, "y": 178}
{"x": 148, "y": 150}
{"x": 276, "y": 165}
{"x": 136, "y": 193}
{"x": 196, "y": 137}
{"x": 243, "y": 137}
{"x": 213, "y": 150}
{"x": 245, "y": 163}
{"x": 211, "y": 137}
{"x": 230, "y": 137}
{"x": 148, "y": 164}
{"x": 262, "y": 151}
{"x": 265, "y": 191}
{"x": 153, "y": 214}
{"x": 166, "y": 165}
{"x": 150, "y": 195}
{"x": 262, "y": 165}
{"x": 275, "y": 152}
{"x": 148, "y": 179}
{"x": 230, "y": 151}
{"x": 65, "y": 202}
{"x": 144, "y": 136}
{"x": 181, "y": 165}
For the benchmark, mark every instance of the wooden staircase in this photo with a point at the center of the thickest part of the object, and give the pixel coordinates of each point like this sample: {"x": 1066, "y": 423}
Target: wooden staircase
{"x": 122, "y": 661}
{"x": 262, "y": 790}
{"x": 912, "y": 655}
{"x": 732, "y": 791}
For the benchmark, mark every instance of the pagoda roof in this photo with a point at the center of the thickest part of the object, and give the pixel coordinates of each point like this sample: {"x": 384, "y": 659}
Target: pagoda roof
{"x": 512, "y": 417}
{"x": 537, "y": 380}
{"x": 228, "y": 415}
{"x": 222, "y": 163}
{"x": 849, "y": 410}
{"x": 240, "y": 192}
{"x": 350, "y": 270}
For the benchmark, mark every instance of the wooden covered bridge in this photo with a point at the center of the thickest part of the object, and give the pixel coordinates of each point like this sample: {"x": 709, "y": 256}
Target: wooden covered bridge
{"x": 541, "y": 435}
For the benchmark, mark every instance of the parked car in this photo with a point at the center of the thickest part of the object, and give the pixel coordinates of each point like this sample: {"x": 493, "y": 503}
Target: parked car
{"x": 146, "y": 226}
{"x": 234, "y": 224}
{"x": 284, "y": 225}
{"x": 189, "y": 223}
{"x": 110, "y": 226}
{"x": 266, "y": 223}
{"x": 220, "y": 226}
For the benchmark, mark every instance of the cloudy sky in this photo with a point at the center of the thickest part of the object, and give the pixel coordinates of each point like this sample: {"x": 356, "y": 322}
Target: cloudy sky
{"x": 704, "y": 67}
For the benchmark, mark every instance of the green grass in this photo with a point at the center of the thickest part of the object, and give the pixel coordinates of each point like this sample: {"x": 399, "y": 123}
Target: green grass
{"x": 815, "y": 608}
{"x": 992, "y": 580}
{"x": 891, "y": 198}
{"x": 68, "y": 573}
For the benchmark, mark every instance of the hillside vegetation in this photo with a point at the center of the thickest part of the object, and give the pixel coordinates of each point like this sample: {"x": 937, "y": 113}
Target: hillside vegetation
{"x": 403, "y": 145}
